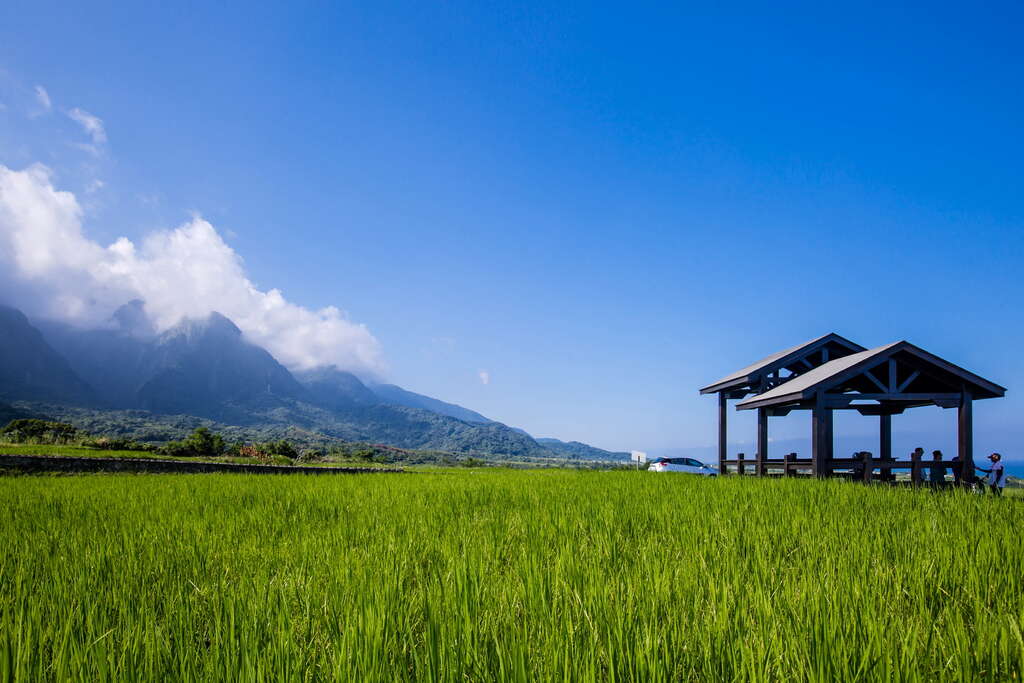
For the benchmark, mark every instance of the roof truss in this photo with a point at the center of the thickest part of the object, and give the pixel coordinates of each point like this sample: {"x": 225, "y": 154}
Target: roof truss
{"x": 783, "y": 366}
{"x": 885, "y": 380}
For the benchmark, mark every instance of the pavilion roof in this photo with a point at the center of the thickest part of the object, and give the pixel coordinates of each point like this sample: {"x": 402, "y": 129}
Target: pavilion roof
{"x": 796, "y": 358}
{"x": 929, "y": 372}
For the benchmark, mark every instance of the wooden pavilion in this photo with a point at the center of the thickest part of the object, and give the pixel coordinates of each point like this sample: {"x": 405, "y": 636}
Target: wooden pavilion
{"x": 833, "y": 373}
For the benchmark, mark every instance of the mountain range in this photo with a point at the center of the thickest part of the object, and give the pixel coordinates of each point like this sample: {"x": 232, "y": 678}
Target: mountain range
{"x": 127, "y": 373}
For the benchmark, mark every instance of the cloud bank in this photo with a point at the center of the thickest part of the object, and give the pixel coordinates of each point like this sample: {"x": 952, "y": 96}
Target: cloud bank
{"x": 51, "y": 268}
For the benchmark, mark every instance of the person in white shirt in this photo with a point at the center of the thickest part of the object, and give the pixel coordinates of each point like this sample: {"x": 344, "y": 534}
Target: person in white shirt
{"x": 996, "y": 474}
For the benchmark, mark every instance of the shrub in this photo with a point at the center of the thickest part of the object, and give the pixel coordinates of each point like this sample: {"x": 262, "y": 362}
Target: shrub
{"x": 275, "y": 452}
{"x": 39, "y": 432}
{"x": 311, "y": 455}
{"x": 106, "y": 443}
{"x": 202, "y": 443}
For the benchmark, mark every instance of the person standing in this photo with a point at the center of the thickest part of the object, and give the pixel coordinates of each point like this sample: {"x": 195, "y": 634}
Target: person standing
{"x": 917, "y": 474}
{"x": 958, "y": 474}
{"x": 996, "y": 474}
{"x": 936, "y": 473}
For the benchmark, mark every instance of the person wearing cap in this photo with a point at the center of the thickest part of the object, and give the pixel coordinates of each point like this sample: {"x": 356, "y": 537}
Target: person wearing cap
{"x": 996, "y": 474}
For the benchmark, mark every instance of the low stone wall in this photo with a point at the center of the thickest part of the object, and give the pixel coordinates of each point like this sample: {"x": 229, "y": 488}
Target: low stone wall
{"x": 52, "y": 463}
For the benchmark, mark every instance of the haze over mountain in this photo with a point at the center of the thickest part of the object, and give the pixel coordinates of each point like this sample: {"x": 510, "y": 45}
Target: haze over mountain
{"x": 207, "y": 368}
{"x": 30, "y": 369}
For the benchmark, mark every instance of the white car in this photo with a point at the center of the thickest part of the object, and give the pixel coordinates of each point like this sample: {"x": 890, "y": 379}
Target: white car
{"x": 685, "y": 465}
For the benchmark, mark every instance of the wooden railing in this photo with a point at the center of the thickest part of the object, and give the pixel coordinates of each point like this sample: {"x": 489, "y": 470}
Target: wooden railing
{"x": 862, "y": 467}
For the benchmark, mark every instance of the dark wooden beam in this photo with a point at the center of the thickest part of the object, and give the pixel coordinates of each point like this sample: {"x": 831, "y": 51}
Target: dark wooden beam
{"x": 870, "y": 375}
{"x": 779, "y": 412}
{"x": 845, "y": 399}
{"x": 885, "y": 446}
{"x": 821, "y": 437}
{"x": 906, "y": 383}
{"x": 885, "y": 437}
{"x": 882, "y": 408}
{"x": 723, "y": 431}
{"x": 762, "y": 441}
{"x": 965, "y": 435}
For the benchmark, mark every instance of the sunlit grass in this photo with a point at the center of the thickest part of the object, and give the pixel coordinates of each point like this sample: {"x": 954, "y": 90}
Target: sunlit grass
{"x": 504, "y": 575}
{"x": 75, "y": 451}
{"x": 87, "y": 452}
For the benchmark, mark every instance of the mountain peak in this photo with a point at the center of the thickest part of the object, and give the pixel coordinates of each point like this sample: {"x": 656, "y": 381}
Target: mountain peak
{"x": 131, "y": 318}
{"x": 335, "y": 387}
{"x": 30, "y": 368}
{"x": 214, "y": 324}
{"x": 12, "y": 316}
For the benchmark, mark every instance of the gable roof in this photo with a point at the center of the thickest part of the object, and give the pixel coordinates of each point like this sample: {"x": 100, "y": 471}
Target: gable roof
{"x": 828, "y": 375}
{"x": 750, "y": 374}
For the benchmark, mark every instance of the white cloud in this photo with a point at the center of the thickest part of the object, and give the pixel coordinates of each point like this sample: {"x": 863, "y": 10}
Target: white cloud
{"x": 485, "y": 377}
{"x": 92, "y": 125}
{"x": 55, "y": 270}
{"x": 43, "y": 98}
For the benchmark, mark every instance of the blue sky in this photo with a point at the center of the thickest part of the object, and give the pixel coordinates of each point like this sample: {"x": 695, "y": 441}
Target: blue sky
{"x": 601, "y": 207}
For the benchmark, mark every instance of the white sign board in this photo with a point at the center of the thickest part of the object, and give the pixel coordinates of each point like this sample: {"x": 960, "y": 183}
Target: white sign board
{"x": 638, "y": 456}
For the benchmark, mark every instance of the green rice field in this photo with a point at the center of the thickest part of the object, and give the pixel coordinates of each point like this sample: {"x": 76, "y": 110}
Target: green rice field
{"x": 505, "y": 575}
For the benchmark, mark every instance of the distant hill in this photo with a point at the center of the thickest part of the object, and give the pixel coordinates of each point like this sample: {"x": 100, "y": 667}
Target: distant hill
{"x": 205, "y": 367}
{"x": 30, "y": 369}
{"x": 395, "y": 395}
{"x": 206, "y": 370}
{"x": 8, "y": 413}
{"x": 111, "y": 360}
{"x": 582, "y": 451}
{"x": 336, "y": 389}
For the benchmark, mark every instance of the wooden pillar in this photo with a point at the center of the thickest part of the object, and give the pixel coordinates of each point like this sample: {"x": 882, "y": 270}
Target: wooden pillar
{"x": 740, "y": 467}
{"x": 723, "y": 432}
{"x": 787, "y": 464}
{"x": 821, "y": 437}
{"x": 885, "y": 437}
{"x": 885, "y": 445}
{"x": 965, "y": 437}
{"x": 762, "y": 441}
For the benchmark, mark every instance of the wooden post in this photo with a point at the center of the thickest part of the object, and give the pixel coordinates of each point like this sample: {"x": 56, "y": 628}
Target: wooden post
{"x": 885, "y": 438}
{"x": 965, "y": 437}
{"x": 787, "y": 464}
{"x": 740, "y": 467}
{"x": 723, "y": 432}
{"x": 868, "y": 466}
{"x": 762, "y": 441}
{"x": 821, "y": 437}
{"x": 915, "y": 468}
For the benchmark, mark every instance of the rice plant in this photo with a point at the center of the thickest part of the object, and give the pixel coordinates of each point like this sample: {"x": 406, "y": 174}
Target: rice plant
{"x": 504, "y": 575}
